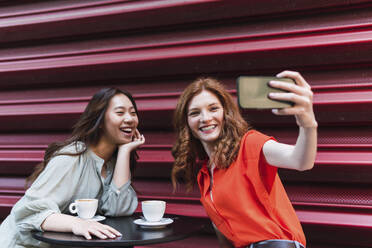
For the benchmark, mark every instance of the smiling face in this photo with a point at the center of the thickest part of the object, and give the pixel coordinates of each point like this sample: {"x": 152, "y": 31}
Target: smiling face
{"x": 205, "y": 118}
{"x": 120, "y": 121}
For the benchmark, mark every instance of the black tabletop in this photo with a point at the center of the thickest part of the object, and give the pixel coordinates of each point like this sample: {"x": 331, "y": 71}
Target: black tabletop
{"x": 182, "y": 227}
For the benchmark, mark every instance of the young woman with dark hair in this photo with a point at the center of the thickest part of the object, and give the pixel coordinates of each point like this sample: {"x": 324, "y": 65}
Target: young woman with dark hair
{"x": 95, "y": 162}
{"x": 238, "y": 181}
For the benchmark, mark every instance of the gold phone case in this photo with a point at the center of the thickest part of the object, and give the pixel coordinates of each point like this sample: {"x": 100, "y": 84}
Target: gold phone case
{"x": 253, "y": 92}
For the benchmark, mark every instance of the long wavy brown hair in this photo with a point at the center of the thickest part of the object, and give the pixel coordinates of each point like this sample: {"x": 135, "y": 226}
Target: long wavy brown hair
{"x": 188, "y": 150}
{"x": 87, "y": 130}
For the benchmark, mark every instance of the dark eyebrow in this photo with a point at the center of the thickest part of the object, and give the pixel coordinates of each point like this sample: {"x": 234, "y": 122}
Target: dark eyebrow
{"x": 121, "y": 107}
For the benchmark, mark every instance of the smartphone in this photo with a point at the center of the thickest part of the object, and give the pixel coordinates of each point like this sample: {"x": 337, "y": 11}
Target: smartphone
{"x": 253, "y": 92}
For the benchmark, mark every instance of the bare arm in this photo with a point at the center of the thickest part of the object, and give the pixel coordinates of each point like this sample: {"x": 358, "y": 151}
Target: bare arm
{"x": 67, "y": 223}
{"x": 122, "y": 168}
{"x": 301, "y": 156}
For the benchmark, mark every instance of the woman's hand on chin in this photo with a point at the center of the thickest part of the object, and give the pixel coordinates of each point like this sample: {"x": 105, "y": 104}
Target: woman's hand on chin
{"x": 138, "y": 140}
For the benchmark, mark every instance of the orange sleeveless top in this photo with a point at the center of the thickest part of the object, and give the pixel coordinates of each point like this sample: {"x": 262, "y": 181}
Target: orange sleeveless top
{"x": 249, "y": 201}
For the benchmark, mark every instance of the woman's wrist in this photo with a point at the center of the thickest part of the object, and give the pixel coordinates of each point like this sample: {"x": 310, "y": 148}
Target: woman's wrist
{"x": 310, "y": 129}
{"x": 75, "y": 221}
{"x": 306, "y": 122}
{"x": 311, "y": 125}
{"x": 124, "y": 150}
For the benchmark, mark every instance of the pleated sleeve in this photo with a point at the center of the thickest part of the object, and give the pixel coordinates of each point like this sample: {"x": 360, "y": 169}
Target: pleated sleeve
{"x": 50, "y": 193}
{"x": 118, "y": 201}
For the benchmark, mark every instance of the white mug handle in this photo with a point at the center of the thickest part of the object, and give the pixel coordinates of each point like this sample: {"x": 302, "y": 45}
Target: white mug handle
{"x": 73, "y": 208}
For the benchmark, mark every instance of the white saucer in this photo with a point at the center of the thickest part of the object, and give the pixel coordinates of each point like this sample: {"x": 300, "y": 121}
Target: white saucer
{"x": 97, "y": 218}
{"x": 153, "y": 224}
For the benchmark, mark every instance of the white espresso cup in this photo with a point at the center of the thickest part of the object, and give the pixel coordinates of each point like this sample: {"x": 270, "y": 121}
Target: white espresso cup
{"x": 85, "y": 208}
{"x": 153, "y": 210}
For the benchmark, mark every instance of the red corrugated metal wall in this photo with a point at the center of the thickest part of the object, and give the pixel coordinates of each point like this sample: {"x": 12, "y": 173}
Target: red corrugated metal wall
{"x": 55, "y": 54}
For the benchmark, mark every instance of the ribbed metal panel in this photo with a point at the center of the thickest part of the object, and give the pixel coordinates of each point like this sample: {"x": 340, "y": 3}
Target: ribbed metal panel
{"x": 55, "y": 54}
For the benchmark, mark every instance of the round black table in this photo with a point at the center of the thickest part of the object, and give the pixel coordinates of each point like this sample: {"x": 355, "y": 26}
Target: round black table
{"x": 182, "y": 227}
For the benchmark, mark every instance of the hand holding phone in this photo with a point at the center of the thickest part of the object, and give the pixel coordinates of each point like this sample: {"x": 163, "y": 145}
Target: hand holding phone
{"x": 253, "y": 92}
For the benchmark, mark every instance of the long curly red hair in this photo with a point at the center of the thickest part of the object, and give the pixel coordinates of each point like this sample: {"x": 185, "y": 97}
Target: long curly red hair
{"x": 188, "y": 151}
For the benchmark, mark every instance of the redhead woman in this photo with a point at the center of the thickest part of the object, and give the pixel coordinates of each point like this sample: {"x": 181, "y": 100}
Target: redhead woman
{"x": 236, "y": 166}
{"x": 95, "y": 162}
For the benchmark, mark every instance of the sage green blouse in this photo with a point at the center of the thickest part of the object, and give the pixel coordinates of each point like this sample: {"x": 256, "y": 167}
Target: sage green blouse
{"x": 65, "y": 179}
